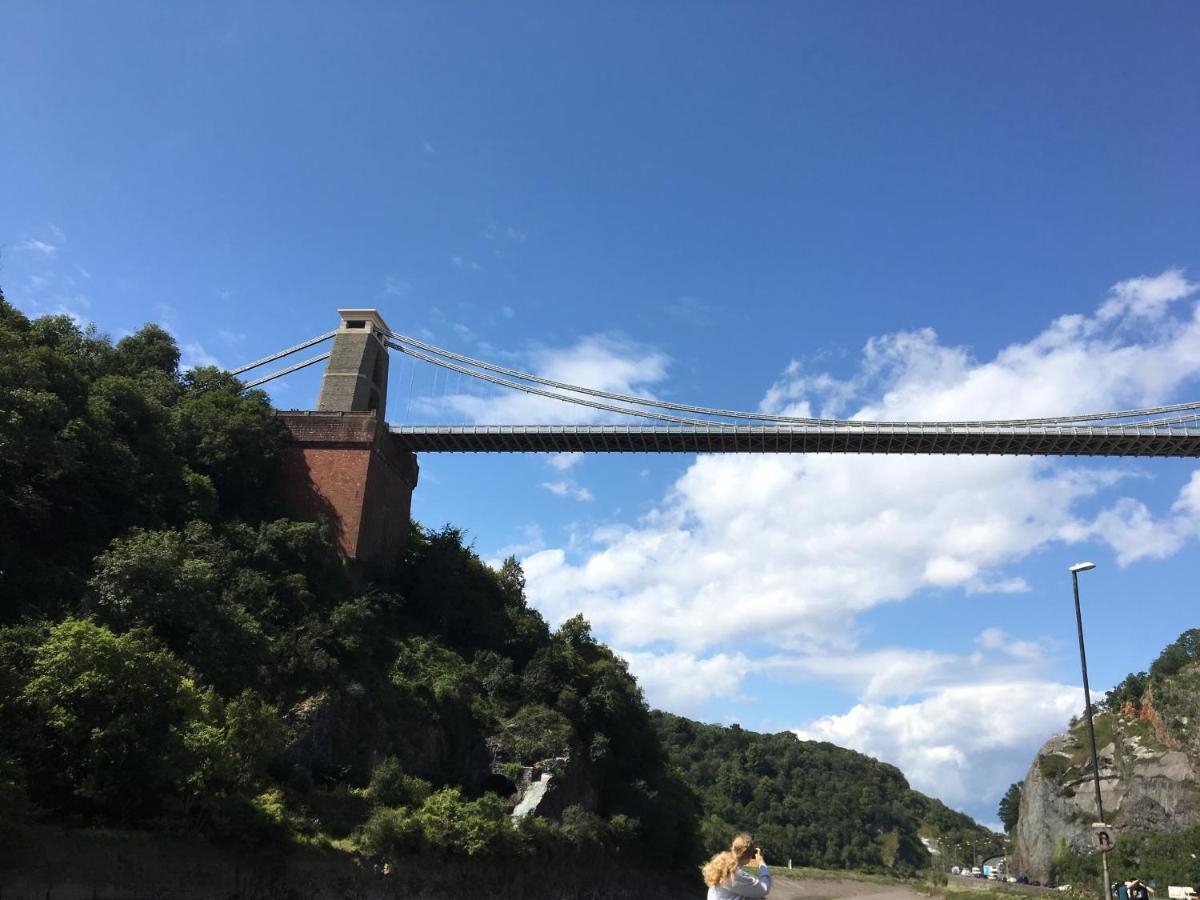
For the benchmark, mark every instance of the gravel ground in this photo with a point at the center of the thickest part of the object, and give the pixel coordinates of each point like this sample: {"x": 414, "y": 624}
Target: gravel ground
{"x": 787, "y": 888}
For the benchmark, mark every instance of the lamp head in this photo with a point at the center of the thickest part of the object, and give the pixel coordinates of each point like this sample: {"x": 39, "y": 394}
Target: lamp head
{"x": 1082, "y": 567}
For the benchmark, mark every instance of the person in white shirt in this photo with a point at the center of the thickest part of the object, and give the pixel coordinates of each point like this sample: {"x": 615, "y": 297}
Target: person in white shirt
{"x": 727, "y": 879}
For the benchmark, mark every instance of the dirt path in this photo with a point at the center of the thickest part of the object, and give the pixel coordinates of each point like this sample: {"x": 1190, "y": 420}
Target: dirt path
{"x": 787, "y": 888}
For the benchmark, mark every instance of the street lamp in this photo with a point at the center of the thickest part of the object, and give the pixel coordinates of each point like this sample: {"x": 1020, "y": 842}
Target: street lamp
{"x": 1087, "y": 704}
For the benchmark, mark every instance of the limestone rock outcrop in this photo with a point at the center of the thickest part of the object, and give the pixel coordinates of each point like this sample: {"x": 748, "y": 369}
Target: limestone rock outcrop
{"x": 1149, "y": 756}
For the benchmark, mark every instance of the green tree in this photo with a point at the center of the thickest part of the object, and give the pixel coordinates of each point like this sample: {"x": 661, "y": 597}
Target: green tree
{"x": 112, "y": 709}
{"x": 1010, "y": 806}
{"x": 1183, "y": 651}
{"x": 231, "y": 436}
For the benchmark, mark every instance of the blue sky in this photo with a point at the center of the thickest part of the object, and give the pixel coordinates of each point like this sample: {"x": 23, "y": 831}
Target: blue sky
{"x": 876, "y": 209}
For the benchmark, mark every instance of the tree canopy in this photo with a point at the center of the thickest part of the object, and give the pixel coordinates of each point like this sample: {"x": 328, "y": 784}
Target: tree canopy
{"x": 813, "y": 802}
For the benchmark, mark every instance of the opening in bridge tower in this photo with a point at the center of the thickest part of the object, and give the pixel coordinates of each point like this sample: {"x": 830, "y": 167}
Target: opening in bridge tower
{"x": 356, "y": 375}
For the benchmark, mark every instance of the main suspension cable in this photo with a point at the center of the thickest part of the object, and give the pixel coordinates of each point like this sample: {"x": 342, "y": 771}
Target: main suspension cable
{"x": 282, "y": 353}
{"x": 578, "y": 401}
{"x": 766, "y": 417}
{"x": 295, "y": 368}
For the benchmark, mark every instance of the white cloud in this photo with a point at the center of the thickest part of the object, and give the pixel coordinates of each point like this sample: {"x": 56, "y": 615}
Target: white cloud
{"x": 232, "y": 338}
{"x": 605, "y": 362}
{"x": 941, "y": 742}
{"x": 791, "y": 550}
{"x": 507, "y": 311}
{"x": 563, "y": 461}
{"x": 532, "y": 541}
{"x": 796, "y": 547}
{"x": 37, "y": 248}
{"x": 874, "y": 676}
{"x": 195, "y": 355}
{"x": 685, "y": 683}
{"x": 567, "y": 489}
{"x": 1134, "y": 533}
{"x": 1146, "y": 297}
{"x": 395, "y": 286}
{"x": 801, "y": 545}
{"x": 508, "y": 232}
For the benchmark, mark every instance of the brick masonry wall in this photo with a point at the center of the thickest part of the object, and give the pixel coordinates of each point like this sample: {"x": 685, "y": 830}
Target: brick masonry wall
{"x": 344, "y": 468}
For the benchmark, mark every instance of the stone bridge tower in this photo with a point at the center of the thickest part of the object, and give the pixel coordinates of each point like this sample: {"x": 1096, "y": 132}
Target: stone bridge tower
{"x": 341, "y": 463}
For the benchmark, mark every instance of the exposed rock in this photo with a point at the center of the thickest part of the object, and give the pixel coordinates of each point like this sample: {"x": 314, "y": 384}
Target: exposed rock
{"x": 334, "y": 732}
{"x": 1149, "y": 777}
{"x": 548, "y": 788}
{"x": 344, "y": 734}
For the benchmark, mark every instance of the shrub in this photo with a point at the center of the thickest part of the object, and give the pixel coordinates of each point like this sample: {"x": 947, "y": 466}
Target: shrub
{"x": 391, "y": 832}
{"x": 456, "y": 826}
{"x": 581, "y": 827}
{"x": 391, "y": 786}
{"x": 111, "y": 708}
{"x": 245, "y": 821}
{"x": 537, "y": 732}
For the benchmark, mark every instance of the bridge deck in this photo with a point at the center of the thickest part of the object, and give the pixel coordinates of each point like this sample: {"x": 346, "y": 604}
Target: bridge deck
{"x": 914, "y": 439}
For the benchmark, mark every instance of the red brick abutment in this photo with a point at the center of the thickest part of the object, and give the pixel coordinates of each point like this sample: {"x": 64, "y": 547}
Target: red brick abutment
{"x": 344, "y": 467}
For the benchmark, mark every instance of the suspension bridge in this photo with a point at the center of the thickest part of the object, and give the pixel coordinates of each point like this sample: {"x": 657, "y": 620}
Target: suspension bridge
{"x": 356, "y": 379}
{"x": 346, "y": 465}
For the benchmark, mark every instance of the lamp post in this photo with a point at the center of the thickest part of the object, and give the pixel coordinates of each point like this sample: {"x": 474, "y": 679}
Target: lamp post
{"x": 1087, "y": 705}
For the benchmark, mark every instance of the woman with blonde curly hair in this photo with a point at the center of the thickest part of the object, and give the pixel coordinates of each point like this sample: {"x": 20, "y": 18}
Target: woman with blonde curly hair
{"x": 727, "y": 880}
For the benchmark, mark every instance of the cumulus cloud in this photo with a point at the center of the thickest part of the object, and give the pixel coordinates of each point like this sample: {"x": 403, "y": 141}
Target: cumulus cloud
{"x": 567, "y": 489}
{"x": 802, "y": 545}
{"x": 1146, "y": 297}
{"x": 683, "y": 682}
{"x": 796, "y": 547}
{"x": 792, "y": 551}
{"x": 194, "y": 355}
{"x": 563, "y": 461}
{"x": 1133, "y": 532}
{"x": 939, "y": 744}
{"x": 874, "y": 676}
{"x": 605, "y": 362}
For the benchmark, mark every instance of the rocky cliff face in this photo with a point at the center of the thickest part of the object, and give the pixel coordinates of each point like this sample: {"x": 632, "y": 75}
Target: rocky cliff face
{"x": 1149, "y": 757}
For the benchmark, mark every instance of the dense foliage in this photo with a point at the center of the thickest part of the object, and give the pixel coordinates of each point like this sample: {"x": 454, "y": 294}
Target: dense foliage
{"x": 1010, "y": 806}
{"x": 1183, "y": 651}
{"x": 811, "y": 802}
{"x": 170, "y": 644}
{"x": 1160, "y": 858}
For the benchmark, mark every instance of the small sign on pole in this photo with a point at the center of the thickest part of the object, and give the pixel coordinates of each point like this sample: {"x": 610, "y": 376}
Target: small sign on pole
{"x": 1106, "y": 838}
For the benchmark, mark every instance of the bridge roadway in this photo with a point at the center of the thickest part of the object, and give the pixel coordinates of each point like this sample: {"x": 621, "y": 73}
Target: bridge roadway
{"x": 926, "y": 439}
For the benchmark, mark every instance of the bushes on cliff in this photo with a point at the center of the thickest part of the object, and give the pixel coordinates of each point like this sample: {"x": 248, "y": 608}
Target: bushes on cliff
{"x": 98, "y": 438}
{"x": 115, "y": 725}
{"x": 158, "y": 620}
{"x": 445, "y": 823}
{"x": 818, "y": 804}
{"x": 1160, "y": 858}
{"x": 1182, "y": 652}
